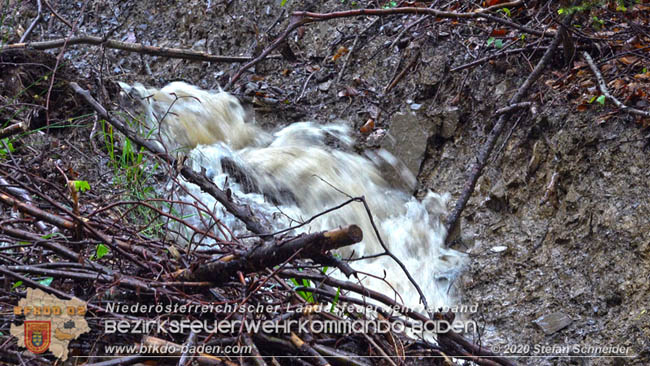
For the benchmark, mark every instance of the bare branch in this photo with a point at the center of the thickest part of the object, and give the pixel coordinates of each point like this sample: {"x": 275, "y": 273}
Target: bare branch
{"x": 130, "y": 47}
{"x": 602, "y": 85}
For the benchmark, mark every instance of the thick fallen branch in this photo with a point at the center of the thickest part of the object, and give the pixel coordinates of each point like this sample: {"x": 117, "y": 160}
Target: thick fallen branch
{"x": 307, "y": 350}
{"x": 602, "y": 85}
{"x": 272, "y": 254}
{"x": 60, "y": 250}
{"x": 512, "y": 107}
{"x": 115, "y": 279}
{"x": 130, "y": 47}
{"x": 492, "y": 138}
{"x": 37, "y": 212}
{"x": 240, "y": 211}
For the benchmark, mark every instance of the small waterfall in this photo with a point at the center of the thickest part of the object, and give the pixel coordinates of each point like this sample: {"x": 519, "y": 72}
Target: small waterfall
{"x": 293, "y": 173}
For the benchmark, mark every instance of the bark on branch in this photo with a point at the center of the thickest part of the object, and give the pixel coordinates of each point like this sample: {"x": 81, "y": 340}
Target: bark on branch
{"x": 275, "y": 253}
{"x": 488, "y": 146}
{"x": 13, "y": 129}
{"x": 130, "y": 47}
{"x": 602, "y": 85}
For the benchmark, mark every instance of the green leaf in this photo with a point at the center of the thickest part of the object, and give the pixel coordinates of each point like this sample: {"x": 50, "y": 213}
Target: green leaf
{"x": 506, "y": 11}
{"x": 46, "y": 281}
{"x": 81, "y": 185}
{"x": 16, "y": 284}
{"x": 498, "y": 43}
{"x": 601, "y": 100}
{"x": 591, "y": 100}
{"x": 490, "y": 41}
{"x": 8, "y": 143}
{"x": 304, "y": 294}
{"x": 336, "y": 299}
{"x": 52, "y": 235}
{"x": 561, "y": 11}
{"x": 283, "y": 2}
{"x": 101, "y": 251}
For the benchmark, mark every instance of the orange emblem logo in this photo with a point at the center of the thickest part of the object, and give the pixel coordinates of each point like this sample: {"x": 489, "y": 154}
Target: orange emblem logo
{"x": 37, "y": 335}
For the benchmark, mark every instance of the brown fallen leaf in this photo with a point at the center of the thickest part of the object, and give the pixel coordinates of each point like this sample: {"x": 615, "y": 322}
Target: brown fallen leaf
{"x": 368, "y": 126}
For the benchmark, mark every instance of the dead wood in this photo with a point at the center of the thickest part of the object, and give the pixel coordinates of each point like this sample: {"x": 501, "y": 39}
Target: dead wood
{"x": 271, "y": 254}
{"x": 301, "y": 18}
{"x": 13, "y": 129}
{"x": 488, "y": 146}
{"x": 203, "y": 359}
{"x": 602, "y": 85}
{"x": 468, "y": 348}
{"x": 129, "y": 47}
{"x": 307, "y": 350}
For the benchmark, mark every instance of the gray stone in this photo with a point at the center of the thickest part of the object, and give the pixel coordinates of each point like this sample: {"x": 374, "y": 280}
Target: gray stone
{"x": 407, "y": 141}
{"x": 434, "y": 68}
{"x": 553, "y": 322}
{"x": 325, "y": 86}
{"x": 450, "y": 119}
{"x": 497, "y": 200}
{"x": 447, "y": 119}
{"x": 501, "y": 88}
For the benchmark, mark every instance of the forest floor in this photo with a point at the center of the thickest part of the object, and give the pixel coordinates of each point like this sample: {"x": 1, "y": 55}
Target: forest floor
{"x": 559, "y": 223}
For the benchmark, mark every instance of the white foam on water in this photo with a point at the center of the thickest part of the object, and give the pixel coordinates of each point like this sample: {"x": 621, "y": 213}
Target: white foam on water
{"x": 294, "y": 173}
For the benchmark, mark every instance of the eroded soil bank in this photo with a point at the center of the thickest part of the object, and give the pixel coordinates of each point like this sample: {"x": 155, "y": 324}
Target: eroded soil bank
{"x": 559, "y": 225}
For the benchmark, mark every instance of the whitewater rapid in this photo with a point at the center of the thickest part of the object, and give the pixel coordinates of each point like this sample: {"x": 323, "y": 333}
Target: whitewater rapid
{"x": 291, "y": 174}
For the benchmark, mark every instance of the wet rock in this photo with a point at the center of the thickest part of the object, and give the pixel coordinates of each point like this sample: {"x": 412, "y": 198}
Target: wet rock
{"x": 497, "y": 199}
{"x": 450, "y": 122}
{"x": 325, "y": 86}
{"x": 435, "y": 69}
{"x": 446, "y": 118}
{"x": 553, "y": 322}
{"x": 501, "y": 88}
{"x": 407, "y": 141}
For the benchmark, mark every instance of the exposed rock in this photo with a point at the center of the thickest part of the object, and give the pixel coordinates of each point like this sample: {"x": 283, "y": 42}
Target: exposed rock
{"x": 501, "y": 88}
{"x": 553, "y": 322}
{"x": 325, "y": 86}
{"x": 407, "y": 141}
{"x": 435, "y": 69}
{"x": 447, "y": 118}
{"x": 450, "y": 121}
{"x": 497, "y": 198}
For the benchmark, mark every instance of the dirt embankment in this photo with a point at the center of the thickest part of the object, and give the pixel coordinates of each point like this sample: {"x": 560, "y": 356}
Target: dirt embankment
{"x": 559, "y": 223}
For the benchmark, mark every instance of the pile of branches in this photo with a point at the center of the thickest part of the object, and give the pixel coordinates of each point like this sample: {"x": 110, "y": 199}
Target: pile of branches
{"x": 276, "y": 277}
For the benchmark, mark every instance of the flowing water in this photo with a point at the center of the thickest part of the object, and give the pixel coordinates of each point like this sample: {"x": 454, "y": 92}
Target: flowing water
{"x": 291, "y": 174}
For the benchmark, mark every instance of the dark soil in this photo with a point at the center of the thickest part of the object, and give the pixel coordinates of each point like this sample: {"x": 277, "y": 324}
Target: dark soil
{"x": 565, "y": 193}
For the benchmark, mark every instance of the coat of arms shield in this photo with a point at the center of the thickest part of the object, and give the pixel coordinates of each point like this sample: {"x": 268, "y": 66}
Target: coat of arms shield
{"x": 37, "y": 335}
